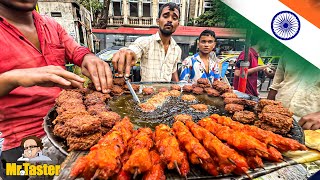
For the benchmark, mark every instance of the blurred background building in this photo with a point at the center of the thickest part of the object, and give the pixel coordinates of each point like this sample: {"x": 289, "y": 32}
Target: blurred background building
{"x": 143, "y": 13}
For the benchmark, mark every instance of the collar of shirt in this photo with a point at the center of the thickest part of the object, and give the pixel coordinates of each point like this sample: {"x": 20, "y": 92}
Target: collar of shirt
{"x": 158, "y": 39}
{"x": 212, "y": 62}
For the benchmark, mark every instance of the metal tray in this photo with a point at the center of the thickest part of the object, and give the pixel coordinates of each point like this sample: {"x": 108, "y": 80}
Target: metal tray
{"x": 124, "y": 105}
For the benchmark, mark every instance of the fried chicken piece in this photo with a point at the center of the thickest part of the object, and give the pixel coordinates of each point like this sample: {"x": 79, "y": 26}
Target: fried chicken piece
{"x": 237, "y": 139}
{"x": 212, "y": 92}
{"x": 163, "y": 89}
{"x": 187, "y": 88}
{"x": 200, "y": 107}
{"x": 263, "y": 125}
{"x": 264, "y": 102}
{"x": 229, "y": 95}
{"x": 234, "y": 101}
{"x": 197, "y": 90}
{"x": 96, "y": 98}
{"x": 168, "y": 147}
{"x": 83, "y": 142}
{"x": 60, "y": 130}
{"x": 72, "y": 100}
{"x": 251, "y": 103}
{"x": 71, "y": 108}
{"x": 203, "y": 81}
{"x": 83, "y": 125}
{"x": 97, "y": 108}
{"x": 277, "y": 109}
{"x": 108, "y": 118}
{"x": 197, "y": 153}
{"x": 157, "y": 170}
{"x": 246, "y": 117}
{"x": 267, "y": 137}
{"x": 221, "y": 86}
{"x": 175, "y": 87}
{"x": 164, "y": 94}
{"x": 194, "y": 86}
{"x": 175, "y": 93}
{"x": 232, "y": 108}
{"x": 182, "y": 117}
{"x": 140, "y": 159}
{"x": 135, "y": 87}
{"x": 277, "y": 120}
{"x": 66, "y": 95}
{"x": 147, "y": 107}
{"x": 148, "y": 91}
{"x": 228, "y": 159}
{"x": 65, "y": 116}
{"x": 119, "y": 81}
{"x": 117, "y": 90}
{"x": 204, "y": 85}
{"x": 188, "y": 97}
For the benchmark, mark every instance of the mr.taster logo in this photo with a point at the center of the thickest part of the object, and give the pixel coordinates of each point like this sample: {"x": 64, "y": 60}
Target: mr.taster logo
{"x": 35, "y": 161}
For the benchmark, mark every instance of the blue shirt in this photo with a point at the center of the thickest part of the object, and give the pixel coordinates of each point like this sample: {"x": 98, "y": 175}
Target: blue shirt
{"x": 193, "y": 68}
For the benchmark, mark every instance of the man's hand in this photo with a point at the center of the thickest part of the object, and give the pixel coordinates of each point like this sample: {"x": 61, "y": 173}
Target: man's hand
{"x": 47, "y": 76}
{"x": 98, "y": 71}
{"x": 122, "y": 61}
{"x": 310, "y": 121}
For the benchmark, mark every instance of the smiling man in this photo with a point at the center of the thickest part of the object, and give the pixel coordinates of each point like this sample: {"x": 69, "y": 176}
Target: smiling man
{"x": 159, "y": 53}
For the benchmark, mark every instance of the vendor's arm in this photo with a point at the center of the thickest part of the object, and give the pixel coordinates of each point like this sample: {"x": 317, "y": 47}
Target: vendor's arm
{"x": 278, "y": 78}
{"x": 93, "y": 67}
{"x": 175, "y": 77}
{"x": 251, "y": 70}
{"x": 310, "y": 121}
{"x": 125, "y": 58}
{"x": 47, "y": 76}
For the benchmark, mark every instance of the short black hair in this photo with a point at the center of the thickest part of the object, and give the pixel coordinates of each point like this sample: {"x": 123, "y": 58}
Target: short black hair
{"x": 208, "y": 32}
{"x": 35, "y": 138}
{"x": 171, "y": 6}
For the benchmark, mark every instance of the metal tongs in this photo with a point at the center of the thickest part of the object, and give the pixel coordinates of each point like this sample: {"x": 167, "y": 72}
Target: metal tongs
{"x": 135, "y": 97}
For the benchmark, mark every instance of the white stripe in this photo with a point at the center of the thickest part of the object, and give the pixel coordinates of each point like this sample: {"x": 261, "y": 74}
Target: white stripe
{"x": 259, "y": 12}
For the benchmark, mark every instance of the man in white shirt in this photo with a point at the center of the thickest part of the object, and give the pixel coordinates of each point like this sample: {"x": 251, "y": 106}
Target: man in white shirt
{"x": 297, "y": 85}
{"x": 159, "y": 54}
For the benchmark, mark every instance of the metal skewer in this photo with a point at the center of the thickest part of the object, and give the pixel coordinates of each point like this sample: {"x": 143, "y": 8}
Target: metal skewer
{"x": 177, "y": 167}
{"x": 135, "y": 173}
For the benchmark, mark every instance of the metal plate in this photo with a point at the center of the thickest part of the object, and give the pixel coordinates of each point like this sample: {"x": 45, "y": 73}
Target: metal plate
{"x": 125, "y": 106}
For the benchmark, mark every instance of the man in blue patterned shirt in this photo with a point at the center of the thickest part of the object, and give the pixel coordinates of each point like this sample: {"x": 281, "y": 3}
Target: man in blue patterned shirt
{"x": 203, "y": 64}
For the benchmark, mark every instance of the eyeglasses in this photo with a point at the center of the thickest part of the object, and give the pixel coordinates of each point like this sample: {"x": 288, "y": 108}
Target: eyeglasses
{"x": 29, "y": 147}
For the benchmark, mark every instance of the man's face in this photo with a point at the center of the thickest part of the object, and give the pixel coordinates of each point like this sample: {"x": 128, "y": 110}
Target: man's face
{"x": 30, "y": 148}
{"x": 168, "y": 21}
{"x": 20, "y": 5}
{"x": 206, "y": 44}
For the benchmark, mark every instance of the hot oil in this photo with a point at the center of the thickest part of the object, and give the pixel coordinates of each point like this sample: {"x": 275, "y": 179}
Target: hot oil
{"x": 125, "y": 106}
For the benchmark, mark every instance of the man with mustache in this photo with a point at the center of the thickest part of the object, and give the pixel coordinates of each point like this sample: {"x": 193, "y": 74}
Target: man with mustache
{"x": 159, "y": 54}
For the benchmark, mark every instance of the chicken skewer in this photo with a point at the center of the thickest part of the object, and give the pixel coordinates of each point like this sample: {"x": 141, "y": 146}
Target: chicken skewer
{"x": 229, "y": 160}
{"x": 280, "y": 143}
{"x": 103, "y": 160}
{"x": 236, "y": 139}
{"x": 140, "y": 145}
{"x": 197, "y": 153}
{"x": 168, "y": 147}
{"x": 157, "y": 170}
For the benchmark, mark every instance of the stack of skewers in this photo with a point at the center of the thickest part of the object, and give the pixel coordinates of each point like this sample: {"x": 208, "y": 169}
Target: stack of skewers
{"x": 217, "y": 144}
